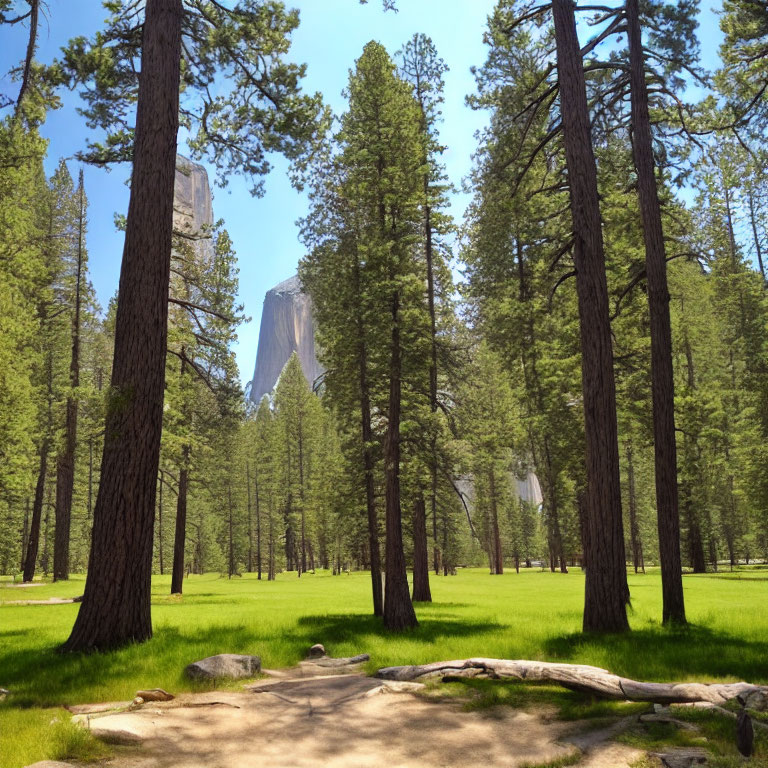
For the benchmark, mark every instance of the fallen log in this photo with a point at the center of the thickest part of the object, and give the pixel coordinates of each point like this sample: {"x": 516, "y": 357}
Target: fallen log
{"x": 580, "y": 677}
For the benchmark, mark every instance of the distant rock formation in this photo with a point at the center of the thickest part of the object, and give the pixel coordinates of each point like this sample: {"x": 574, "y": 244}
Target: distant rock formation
{"x": 286, "y": 327}
{"x": 193, "y": 205}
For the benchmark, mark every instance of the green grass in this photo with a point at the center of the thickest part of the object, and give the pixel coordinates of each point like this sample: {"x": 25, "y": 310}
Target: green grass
{"x": 534, "y": 615}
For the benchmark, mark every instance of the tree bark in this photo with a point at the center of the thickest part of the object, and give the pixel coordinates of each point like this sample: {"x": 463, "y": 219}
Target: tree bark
{"x": 366, "y": 434}
{"x": 65, "y": 469}
{"x": 606, "y": 577}
{"x": 116, "y": 603}
{"x": 250, "y": 517}
{"x": 398, "y": 609}
{"x": 497, "y": 558}
{"x": 37, "y": 512}
{"x": 634, "y": 531}
{"x": 421, "y": 591}
{"x": 662, "y": 376}
{"x": 180, "y": 536}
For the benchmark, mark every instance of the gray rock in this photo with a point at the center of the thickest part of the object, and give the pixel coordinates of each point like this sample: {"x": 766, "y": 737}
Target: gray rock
{"x": 3, "y": 693}
{"x": 192, "y": 207}
{"x": 286, "y": 327}
{"x": 316, "y": 651}
{"x": 682, "y": 758}
{"x": 230, "y": 666}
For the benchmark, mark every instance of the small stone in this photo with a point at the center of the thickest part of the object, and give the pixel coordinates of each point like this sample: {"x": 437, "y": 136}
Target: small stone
{"x": 229, "y": 666}
{"x": 317, "y": 651}
{"x": 3, "y": 693}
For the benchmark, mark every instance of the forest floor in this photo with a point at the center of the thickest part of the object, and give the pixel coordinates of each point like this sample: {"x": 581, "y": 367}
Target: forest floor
{"x": 534, "y": 614}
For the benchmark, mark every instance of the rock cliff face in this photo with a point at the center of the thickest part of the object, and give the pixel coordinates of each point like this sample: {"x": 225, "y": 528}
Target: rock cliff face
{"x": 286, "y": 327}
{"x": 193, "y": 205}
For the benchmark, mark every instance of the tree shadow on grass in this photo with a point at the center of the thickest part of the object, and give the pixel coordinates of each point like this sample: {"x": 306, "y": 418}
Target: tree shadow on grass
{"x": 692, "y": 653}
{"x": 353, "y": 627}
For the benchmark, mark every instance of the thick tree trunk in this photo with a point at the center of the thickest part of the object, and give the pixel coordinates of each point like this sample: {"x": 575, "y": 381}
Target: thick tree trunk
{"x": 37, "y": 513}
{"x": 180, "y": 536}
{"x": 580, "y": 677}
{"x": 421, "y": 591}
{"x": 116, "y": 603}
{"x": 398, "y": 609}
{"x": 25, "y": 535}
{"x": 606, "y": 576}
{"x": 662, "y": 376}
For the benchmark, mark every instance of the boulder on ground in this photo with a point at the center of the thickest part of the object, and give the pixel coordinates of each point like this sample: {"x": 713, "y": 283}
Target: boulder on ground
{"x": 231, "y": 666}
{"x": 317, "y": 651}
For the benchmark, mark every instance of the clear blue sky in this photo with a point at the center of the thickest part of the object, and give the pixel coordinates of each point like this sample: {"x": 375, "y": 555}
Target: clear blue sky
{"x": 331, "y": 36}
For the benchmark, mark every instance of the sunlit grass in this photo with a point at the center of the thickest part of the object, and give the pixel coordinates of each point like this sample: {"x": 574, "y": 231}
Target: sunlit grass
{"x": 534, "y": 615}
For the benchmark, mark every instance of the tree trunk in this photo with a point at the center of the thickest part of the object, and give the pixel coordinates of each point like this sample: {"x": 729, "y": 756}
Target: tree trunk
{"x": 230, "y": 521}
{"x": 606, "y": 576}
{"x": 634, "y": 531}
{"x": 180, "y": 537}
{"x": 37, "y": 513}
{"x": 421, "y": 591}
{"x": 65, "y": 470}
{"x": 496, "y": 555}
{"x": 116, "y": 603}
{"x": 250, "y": 516}
{"x": 258, "y": 523}
{"x": 398, "y": 609}
{"x": 756, "y": 238}
{"x": 662, "y": 376}
{"x": 160, "y": 525}
{"x": 366, "y": 434}
{"x": 25, "y": 535}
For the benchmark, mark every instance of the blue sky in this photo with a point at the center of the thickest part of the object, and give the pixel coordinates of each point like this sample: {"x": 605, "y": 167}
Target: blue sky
{"x": 331, "y": 36}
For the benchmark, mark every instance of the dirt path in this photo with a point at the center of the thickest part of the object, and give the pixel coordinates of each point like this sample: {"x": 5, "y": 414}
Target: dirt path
{"x": 346, "y": 721}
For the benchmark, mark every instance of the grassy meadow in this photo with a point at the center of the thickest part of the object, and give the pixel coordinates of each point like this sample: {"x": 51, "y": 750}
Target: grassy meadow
{"x": 534, "y": 614}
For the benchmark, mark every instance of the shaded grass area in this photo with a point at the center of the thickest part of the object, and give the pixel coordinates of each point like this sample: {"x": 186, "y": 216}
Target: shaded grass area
{"x": 534, "y": 615}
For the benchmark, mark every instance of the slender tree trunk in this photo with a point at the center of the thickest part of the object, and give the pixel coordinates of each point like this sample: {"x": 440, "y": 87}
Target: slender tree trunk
{"x": 497, "y": 558}
{"x": 606, "y": 576}
{"x": 398, "y": 609}
{"x": 755, "y": 237}
{"x": 90, "y": 478}
{"x": 258, "y": 523}
{"x": 160, "y": 525}
{"x": 662, "y": 376}
{"x": 301, "y": 498}
{"x": 366, "y": 434}
{"x": 231, "y": 558}
{"x": 634, "y": 531}
{"x": 37, "y": 513}
{"x": 180, "y": 537}
{"x": 250, "y": 517}
{"x": 116, "y": 604}
{"x": 65, "y": 470}
{"x": 25, "y": 535}
{"x": 421, "y": 591}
